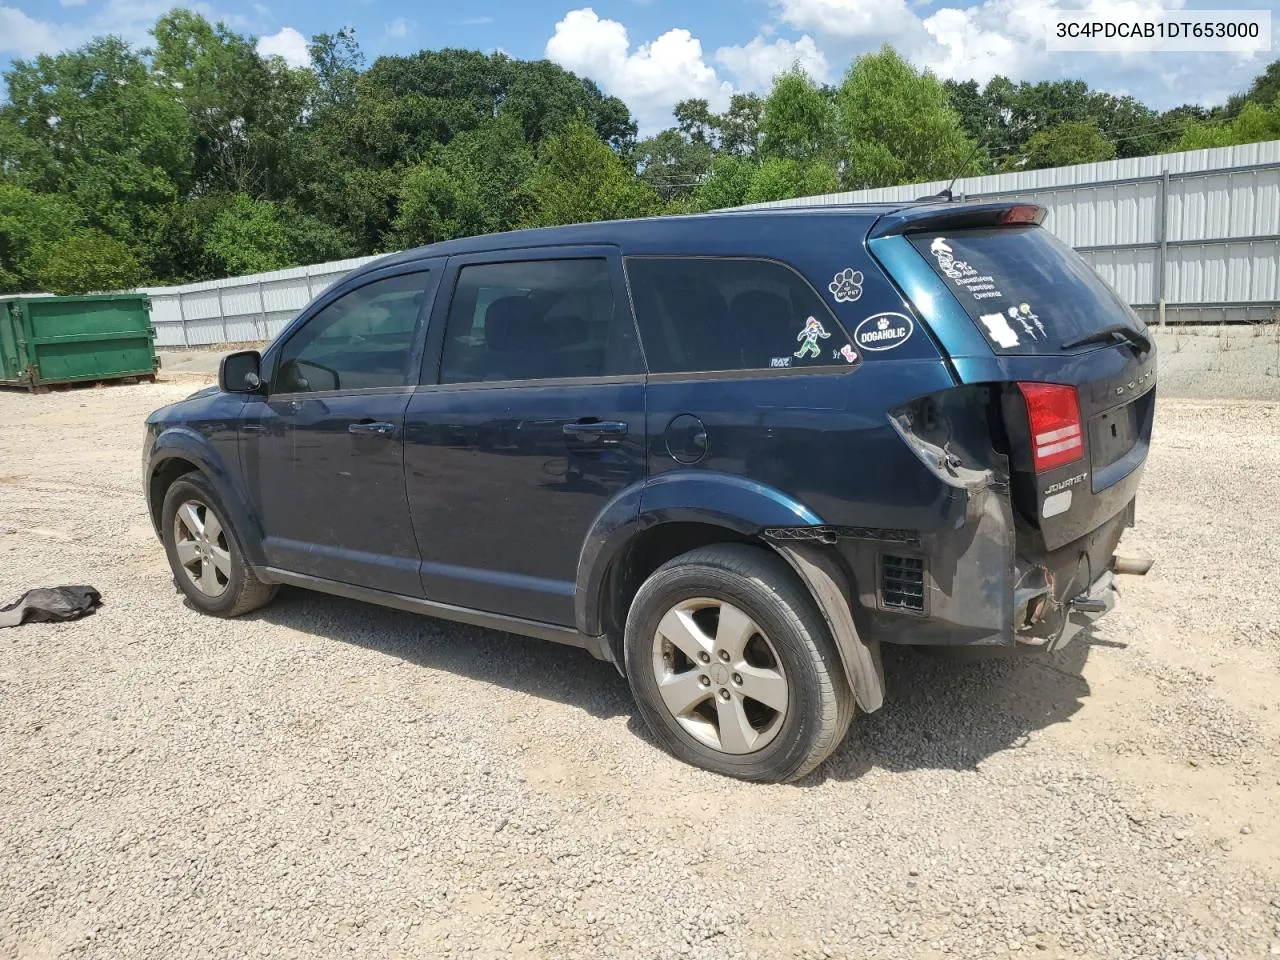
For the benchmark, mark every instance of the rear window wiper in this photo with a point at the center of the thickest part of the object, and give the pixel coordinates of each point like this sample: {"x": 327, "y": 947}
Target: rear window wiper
{"x": 1111, "y": 332}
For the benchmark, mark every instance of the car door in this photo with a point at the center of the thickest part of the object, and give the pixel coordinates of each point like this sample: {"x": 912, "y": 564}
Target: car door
{"x": 532, "y": 419}
{"x": 324, "y": 455}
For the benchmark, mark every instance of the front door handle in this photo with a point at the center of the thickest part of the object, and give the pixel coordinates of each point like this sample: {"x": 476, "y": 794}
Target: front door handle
{"x": 596, "y": 431}
{"x": 379, "y": 427}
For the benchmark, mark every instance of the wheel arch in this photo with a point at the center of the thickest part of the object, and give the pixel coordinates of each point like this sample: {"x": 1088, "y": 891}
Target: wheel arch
{"x": 179, "y": 452}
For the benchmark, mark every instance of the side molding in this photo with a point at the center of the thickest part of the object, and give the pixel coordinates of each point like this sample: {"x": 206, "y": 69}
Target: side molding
{"x": 831, "y": 589}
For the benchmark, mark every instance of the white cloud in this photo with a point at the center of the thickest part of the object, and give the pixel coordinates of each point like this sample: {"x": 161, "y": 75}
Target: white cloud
{"x": 287, "y": 43}
{"x": 848, "y": 18}
{"x": 73, "y": 3}
{"x": 398, "y": 28}
{"x": 651, "y": 79}
{"x": 24, "y": 36}
{"x": 755, "y": 65}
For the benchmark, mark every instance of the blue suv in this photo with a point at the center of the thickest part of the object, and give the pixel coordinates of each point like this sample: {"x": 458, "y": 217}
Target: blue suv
{"x": 731, "y": 454}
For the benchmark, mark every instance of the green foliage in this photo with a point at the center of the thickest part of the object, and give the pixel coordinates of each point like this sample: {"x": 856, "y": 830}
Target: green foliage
{"x": 897, "y": 126}
{"x": 198, "y": 157}
{"x": 798, "y": 121}
{"x": 782, "y": 178}
{"x": 1252, "y": 124}
{"x": 28, "y": 221}
{"x": 578, "y": 179}
{"x": 1063, "y": 145}
{"x": 85, "y": 261}
{"x": 248, "y": 237}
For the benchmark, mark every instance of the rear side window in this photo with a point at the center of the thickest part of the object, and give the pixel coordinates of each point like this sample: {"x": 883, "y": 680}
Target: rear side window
{"x": 702, "y": 314}
{"x": 537, "y": 320}
{"x": 1027, "y": 291}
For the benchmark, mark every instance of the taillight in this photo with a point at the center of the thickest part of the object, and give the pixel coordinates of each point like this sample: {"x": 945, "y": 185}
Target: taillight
{"x": 1057, "y": 436}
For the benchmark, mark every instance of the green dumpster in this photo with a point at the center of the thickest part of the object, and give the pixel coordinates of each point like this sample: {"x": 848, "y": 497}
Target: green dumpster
{"x": 46, "y": 340}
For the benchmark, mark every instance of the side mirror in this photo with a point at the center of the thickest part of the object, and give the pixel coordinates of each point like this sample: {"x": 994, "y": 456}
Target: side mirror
{"x": 240, "y": 372}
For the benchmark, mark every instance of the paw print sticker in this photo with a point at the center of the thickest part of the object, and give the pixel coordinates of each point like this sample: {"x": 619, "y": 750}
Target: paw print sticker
{"x": 847, "y": 285}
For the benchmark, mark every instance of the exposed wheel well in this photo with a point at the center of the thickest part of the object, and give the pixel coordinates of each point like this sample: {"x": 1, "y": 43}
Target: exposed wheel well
{"x": 645, "y": 553}
{"x": 161, "y": 480}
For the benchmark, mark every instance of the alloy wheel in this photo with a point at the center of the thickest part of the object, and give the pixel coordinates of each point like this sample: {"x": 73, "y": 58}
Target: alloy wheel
{"x": 201, "y": 545}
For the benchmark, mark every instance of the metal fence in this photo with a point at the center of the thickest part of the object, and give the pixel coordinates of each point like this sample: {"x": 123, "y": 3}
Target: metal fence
{"x": 1184, "y": 237}
{"x": 239, "y": 309}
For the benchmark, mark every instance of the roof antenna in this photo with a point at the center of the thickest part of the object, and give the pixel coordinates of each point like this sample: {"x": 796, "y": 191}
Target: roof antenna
{"x": 945, "y": 193}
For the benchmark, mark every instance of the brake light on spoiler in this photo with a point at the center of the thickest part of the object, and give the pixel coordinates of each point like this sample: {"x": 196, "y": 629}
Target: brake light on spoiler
{"x": 1053, "y": 413}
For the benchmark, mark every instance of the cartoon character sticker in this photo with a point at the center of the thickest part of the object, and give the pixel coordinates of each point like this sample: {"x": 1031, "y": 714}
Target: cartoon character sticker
{"x": 809, "y": 336}
{"x": 847, "y": 285}
{"x": 1022, "y": 313}
{"x": 953, "y": 268}
{"x": 999, "y": 329}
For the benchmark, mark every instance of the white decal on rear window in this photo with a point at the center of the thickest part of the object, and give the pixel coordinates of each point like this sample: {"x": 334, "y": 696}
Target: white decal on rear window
{"x": 1022, "y": 313}
{"x": 847, "y": 285}
{"x": 980, "y": 287}
{"x": 780, "y": 361}
{"x": 999, "y": 329}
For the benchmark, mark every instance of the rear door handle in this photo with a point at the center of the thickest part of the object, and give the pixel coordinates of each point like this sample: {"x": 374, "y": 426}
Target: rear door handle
{"x": 592, "y": 431}
{"x": 379, "y": 427}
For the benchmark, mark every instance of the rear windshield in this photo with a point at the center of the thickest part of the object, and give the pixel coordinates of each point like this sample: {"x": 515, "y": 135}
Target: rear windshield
{"x": 1027, "y": 291}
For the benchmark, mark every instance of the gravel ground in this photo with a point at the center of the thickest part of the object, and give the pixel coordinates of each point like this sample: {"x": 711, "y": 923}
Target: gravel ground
{"x": 325, "y": 778}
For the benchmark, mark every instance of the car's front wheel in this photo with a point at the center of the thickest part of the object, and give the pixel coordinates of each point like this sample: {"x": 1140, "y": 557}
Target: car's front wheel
{"x": 733, "y": 667}
{"x": 204, "y": 553}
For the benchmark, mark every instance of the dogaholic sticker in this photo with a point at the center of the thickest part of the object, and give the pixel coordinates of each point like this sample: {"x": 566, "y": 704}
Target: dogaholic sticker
{"x": 999, "y": 329}
{"x": 813, "y": 332}
{"x": 884, "y": 331}
{"x": 847, "y": 285}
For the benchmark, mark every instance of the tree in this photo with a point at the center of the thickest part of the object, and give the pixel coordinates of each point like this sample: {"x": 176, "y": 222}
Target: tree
{"x": 739, "y": 126}
{"x": 248, "y": 237}
{"x": 695, "y": 120}
{"x": 1063, "y": 145}
{"x": 1252, "y": 124}
{"x": 436, "y": 205}
{"x": 798, "y": 122}
{"x": 781, "y": 178}
{"x": 897, "y": 126}
{"x": 672, "y": 165}
{"x": 727, "y": 186}
{"x": 578, "y": 179}
{"x": 28, "y": 221}
{"x": 85, "y": 261}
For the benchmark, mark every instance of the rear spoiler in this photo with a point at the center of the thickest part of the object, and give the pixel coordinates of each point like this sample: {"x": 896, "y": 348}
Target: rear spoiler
{"x": 949, "y": 217}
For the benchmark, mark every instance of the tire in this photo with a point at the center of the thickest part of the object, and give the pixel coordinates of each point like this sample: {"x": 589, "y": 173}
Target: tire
{"x": 215, "y": 578}
{"x": 758, "y": 590}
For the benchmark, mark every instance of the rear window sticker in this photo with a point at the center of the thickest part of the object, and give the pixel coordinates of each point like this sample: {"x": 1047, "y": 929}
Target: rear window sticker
{"x": 999, "y": 329}
{"x": 780, "y": 362}
{"x": 980, "y": 287}
{"x": 847, "y": 285}
{"x": 847, "y": 352}
{"x": 1022, "y": 313}
{"x": 884, "y": 331}
{"x": 808, "y": 337}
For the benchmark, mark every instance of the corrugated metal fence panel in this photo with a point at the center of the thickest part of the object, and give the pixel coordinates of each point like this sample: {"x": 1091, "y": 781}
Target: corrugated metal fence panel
{"x": 1222, "y": 221}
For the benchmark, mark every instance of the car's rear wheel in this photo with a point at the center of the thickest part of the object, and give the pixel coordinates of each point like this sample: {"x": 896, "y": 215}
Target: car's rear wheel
{"x": 204, "y": 553}
{"x": 733, "y": 667}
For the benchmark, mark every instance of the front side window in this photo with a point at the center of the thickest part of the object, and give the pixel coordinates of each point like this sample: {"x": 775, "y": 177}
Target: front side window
{"x": 702, "y": 314}
{"x": 363, "y": 339}
{"x": 537, "y": 320}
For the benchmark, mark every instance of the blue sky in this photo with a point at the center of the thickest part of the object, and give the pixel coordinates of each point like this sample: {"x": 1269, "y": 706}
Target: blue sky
{"x": 653, "y": 53}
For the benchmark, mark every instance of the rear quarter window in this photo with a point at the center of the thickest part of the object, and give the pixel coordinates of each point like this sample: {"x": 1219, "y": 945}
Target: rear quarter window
{"x": 699, "y": 314}
{"x": 1026, "y": 290}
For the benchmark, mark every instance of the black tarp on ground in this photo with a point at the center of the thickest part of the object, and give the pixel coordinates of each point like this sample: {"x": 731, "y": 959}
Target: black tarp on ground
{"x": 49, "y": 604}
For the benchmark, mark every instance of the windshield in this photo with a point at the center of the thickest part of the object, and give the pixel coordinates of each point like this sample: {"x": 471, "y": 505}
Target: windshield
{"x": 1026, "y": 290}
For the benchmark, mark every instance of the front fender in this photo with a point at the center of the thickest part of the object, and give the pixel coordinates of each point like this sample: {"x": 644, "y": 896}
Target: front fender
{"x": 184, "y": 443}
{"x": 679, "y": 496}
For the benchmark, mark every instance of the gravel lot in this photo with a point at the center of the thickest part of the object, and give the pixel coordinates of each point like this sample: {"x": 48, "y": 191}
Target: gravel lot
{"x": 325, "y": 778}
